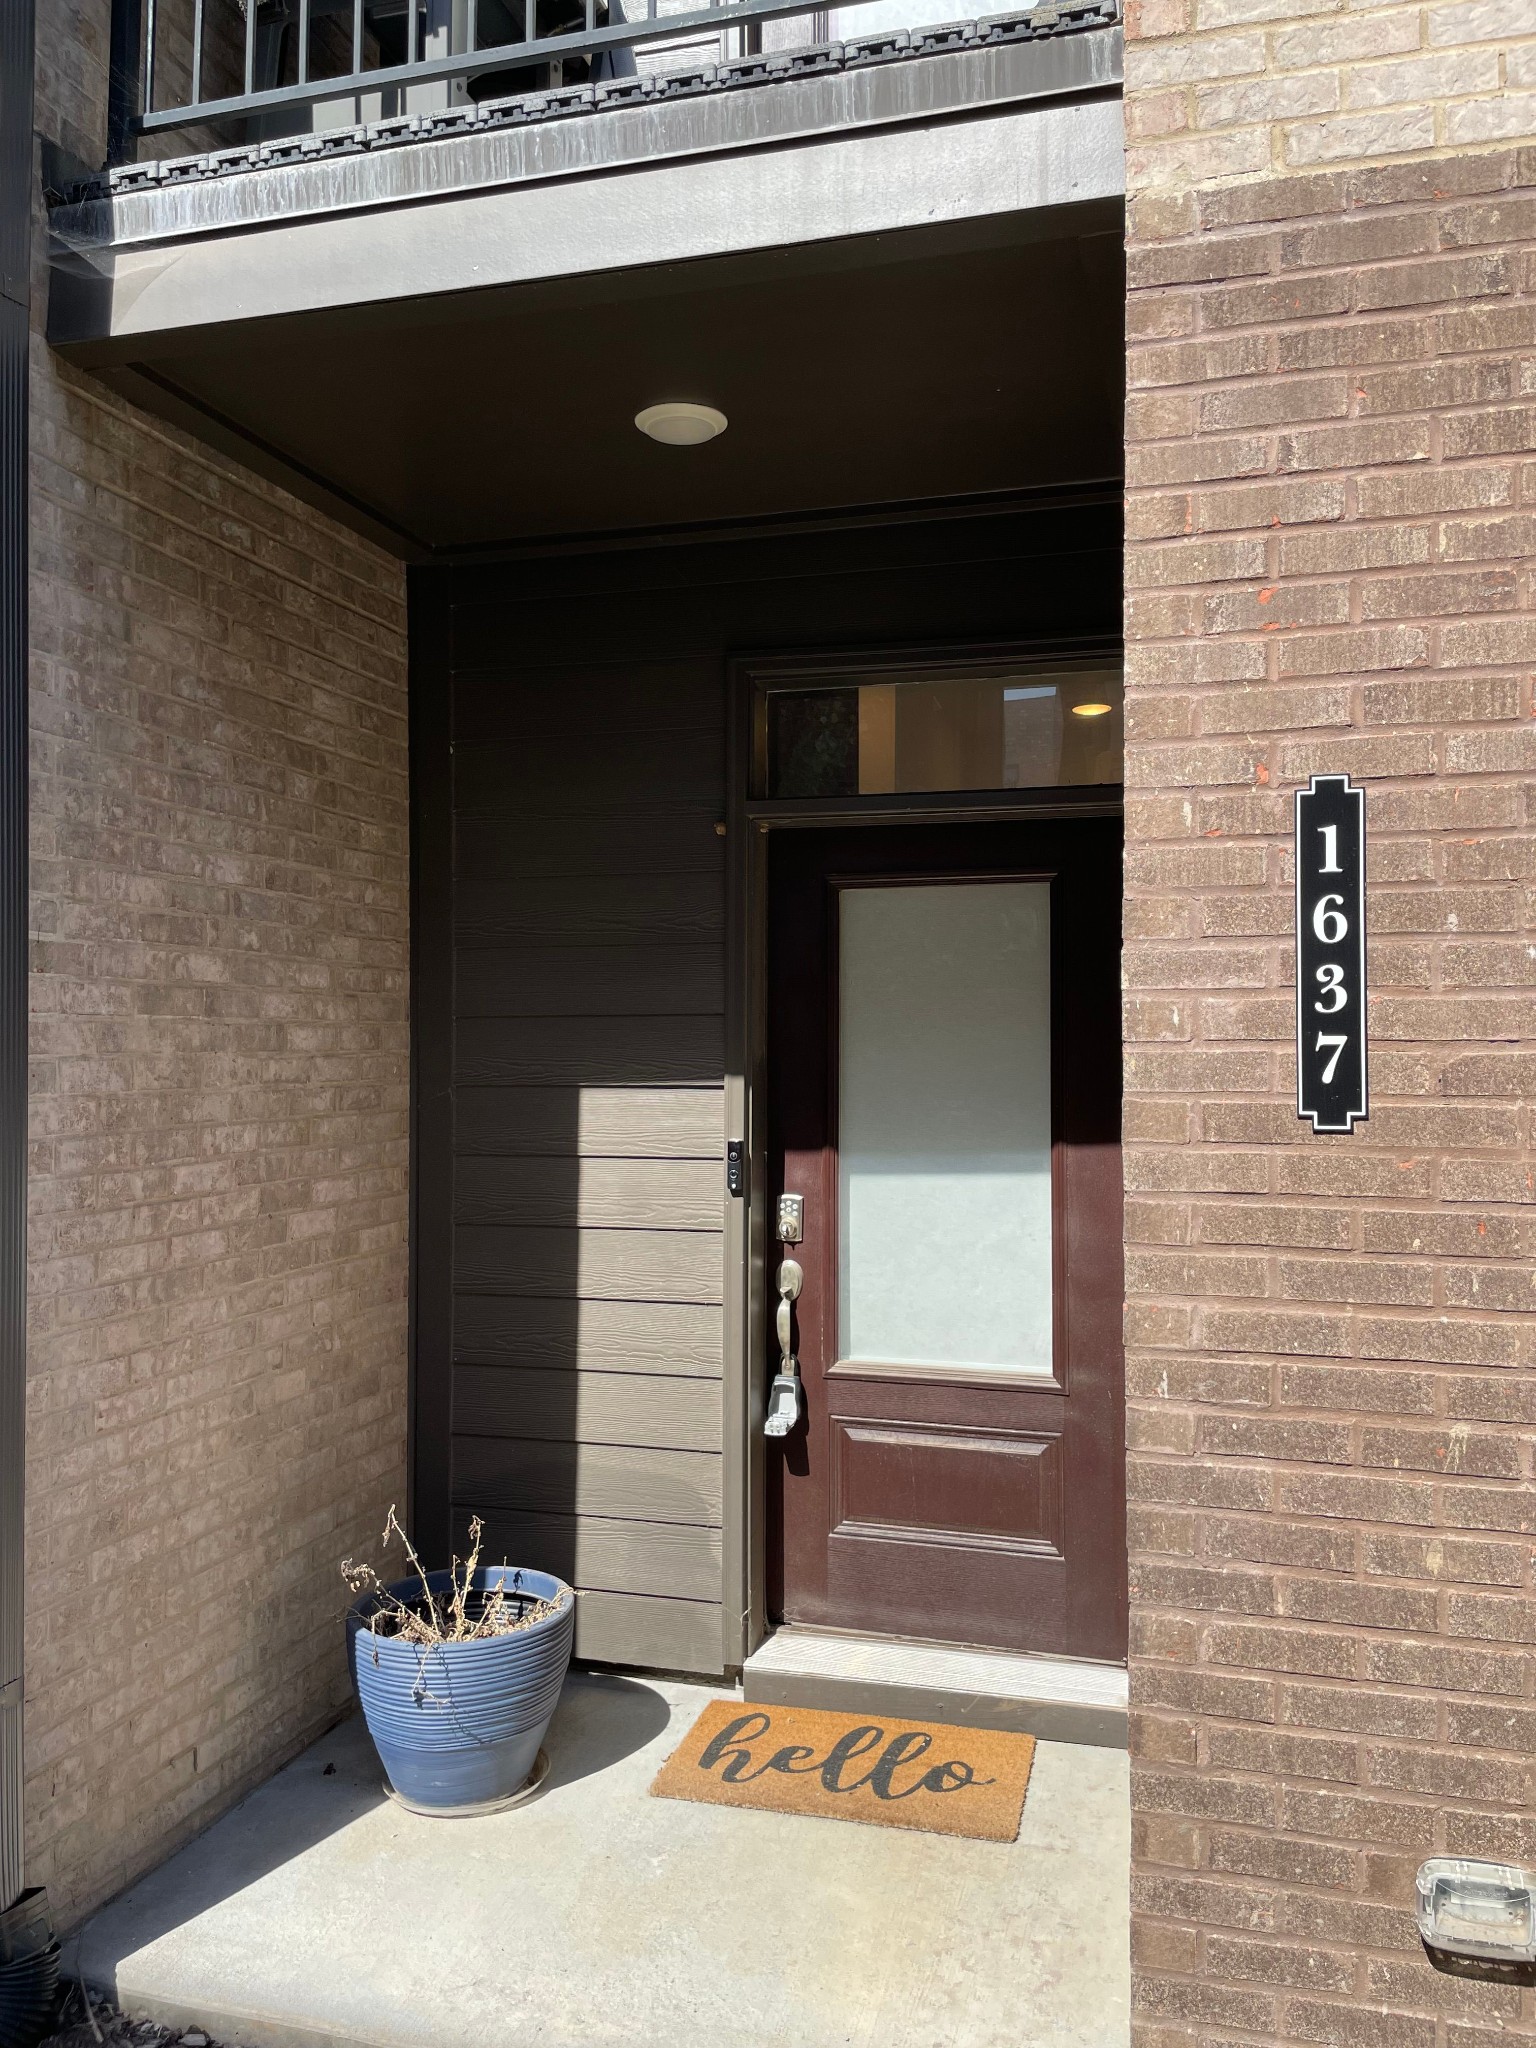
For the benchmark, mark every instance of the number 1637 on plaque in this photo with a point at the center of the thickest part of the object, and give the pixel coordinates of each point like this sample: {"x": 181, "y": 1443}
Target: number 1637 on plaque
{"x": 1331, "y": 1085}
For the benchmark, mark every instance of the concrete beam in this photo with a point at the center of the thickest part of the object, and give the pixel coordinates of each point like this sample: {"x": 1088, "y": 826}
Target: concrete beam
{"x": 965, "y": 136}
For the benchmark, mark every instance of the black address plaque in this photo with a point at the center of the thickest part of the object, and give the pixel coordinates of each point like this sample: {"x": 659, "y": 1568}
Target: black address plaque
{"x": 1330, "y": 954}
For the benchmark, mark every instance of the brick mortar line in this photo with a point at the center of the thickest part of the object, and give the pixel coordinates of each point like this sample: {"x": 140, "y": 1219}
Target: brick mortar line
{"x": 1324, "y": 1256}
{"x": 188, "y": 455}
{"x": 290, "y": 693}
{"x": 224, "y": 569}
{"x": 279, "y": 732}
{"x": 1220, "y": 1570}
{"x": 1406, "y": 1311}
{"x": 1278, "y": 328}
{"x": 1142, "y": 183}
{"x": 296, "y": 850}
{"x": 1236, "y": 1410}
{"x": 1342, "y": 205}
{"x": 1465, "y": 1696}
{"x": 1301, "y": 1733}
{"x": 1291, "y": 1318}
{"x": 51, "y": 775}
{"x": 1259, "y": 235}
{"x": 1167, "y": 1770}
{"x": 1421, "y": 1479}
{"x": 59, "y": 1265}
{"x": 311, "y": 850}
{"x": 1239, "y": 382}
{"x": 1342, "y": 1574}
{"x": 1239, "y": 536}
{"x": 1440, "y": 670}
{"x": 1272, "y": 72}
{"x": 367, "y": 661}
{"x": 1310, "y": 326}
{"x": 1293, "y": 1205}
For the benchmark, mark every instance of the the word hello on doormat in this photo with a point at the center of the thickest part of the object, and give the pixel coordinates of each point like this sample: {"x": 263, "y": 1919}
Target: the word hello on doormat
{"x": 896, "y": 1774}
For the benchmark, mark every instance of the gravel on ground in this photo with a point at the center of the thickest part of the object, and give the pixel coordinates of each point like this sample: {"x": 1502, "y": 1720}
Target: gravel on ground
{"x": 94, "y": 2023}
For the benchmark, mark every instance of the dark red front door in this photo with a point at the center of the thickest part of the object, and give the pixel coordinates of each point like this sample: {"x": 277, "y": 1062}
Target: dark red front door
{"x": 944, "y": 1092}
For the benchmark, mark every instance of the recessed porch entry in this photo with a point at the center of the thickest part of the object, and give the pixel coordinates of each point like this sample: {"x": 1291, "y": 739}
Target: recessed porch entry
{"x": 622, "y": 823}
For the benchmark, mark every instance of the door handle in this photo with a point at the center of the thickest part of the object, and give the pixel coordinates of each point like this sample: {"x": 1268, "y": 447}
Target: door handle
{"x": 791, "y": 1280}
{"x": 786, "y": 1397}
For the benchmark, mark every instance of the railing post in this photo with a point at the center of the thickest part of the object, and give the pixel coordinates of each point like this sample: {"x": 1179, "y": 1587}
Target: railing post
{"x": 125, "y": 78}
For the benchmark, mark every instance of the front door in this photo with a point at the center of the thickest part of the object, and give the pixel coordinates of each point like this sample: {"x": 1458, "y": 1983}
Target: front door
{"x": 944, "y": 1093}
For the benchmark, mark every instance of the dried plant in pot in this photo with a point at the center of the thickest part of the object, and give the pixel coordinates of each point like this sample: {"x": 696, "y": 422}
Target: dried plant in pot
{"x": 458, "y": 1674}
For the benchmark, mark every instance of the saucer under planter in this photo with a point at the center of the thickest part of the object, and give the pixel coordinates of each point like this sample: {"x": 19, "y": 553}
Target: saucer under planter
{"x": 530, "y": 1788}
{"x": 458, "y": 1726}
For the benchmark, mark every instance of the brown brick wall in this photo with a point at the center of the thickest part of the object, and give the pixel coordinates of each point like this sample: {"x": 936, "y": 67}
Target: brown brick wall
{"x": 217, "y": 1358}
{"x": 1223, "y": 89}
{"x": 1332, "y": 1348}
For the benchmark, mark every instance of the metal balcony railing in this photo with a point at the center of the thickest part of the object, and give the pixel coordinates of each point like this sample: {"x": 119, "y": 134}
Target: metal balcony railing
{"x": 201, "y": 74}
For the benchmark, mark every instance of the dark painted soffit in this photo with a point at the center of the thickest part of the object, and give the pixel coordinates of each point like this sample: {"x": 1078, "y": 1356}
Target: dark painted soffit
{"x": 129, "y": 204}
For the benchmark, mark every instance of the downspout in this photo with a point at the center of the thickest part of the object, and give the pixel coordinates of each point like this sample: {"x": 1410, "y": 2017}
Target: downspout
{"x": 16, "y": 181}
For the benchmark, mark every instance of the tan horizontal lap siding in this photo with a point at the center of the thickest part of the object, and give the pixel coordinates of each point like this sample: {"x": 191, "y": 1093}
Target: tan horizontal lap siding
{"x": 651, "y": 1409}
{"x": 601, "y": 1336}
{"x": 588, "y": 1265}
{"x": 609, "y": 1194}
{"x": 588, "y": 1186}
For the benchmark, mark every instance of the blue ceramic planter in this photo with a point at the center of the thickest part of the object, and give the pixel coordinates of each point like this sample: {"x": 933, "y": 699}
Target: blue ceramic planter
{"x": 458, "y": 1725}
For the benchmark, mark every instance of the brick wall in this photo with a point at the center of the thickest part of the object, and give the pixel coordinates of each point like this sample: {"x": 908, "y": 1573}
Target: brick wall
{"x": 217, "y": 1358}
{"x": 1223, "y": 89}
{"x": 1332, "y": 516}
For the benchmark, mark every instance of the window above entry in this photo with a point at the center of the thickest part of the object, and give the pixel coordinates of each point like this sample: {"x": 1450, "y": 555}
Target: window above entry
{"x": 997, "y": 726}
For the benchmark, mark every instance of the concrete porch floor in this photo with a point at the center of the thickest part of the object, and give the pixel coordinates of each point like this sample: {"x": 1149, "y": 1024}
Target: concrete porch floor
{"x": 318, "y": 1914}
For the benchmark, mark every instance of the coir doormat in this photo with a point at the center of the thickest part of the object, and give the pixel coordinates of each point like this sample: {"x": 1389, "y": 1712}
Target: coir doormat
{"x": 893, "y": 1773}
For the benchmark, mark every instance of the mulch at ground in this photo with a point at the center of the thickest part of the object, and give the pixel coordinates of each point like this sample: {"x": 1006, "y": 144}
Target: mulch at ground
{"x": 102, "y": 2026}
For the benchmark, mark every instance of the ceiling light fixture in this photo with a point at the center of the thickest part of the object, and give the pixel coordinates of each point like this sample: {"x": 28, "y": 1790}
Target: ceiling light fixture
{"x": 1092, "y": 710}
{"x": 681, "y": 425}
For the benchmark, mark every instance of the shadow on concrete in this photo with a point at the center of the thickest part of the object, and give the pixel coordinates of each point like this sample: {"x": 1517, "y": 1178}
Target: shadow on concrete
{"x": 337, "y": 1782}
{"x": 600, "y": 1721}
{"x": 330, "y": 1786}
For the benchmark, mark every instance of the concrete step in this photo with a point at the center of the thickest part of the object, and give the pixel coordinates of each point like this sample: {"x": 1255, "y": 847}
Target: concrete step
{"x": 1059, "y": 1699}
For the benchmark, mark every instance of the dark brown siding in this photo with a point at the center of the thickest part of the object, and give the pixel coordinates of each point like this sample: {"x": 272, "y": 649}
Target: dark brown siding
{"x": 574, "y": 1400}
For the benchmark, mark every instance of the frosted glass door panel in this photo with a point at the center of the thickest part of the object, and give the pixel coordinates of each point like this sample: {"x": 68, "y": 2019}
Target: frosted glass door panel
{"x": 944, "y": 1125}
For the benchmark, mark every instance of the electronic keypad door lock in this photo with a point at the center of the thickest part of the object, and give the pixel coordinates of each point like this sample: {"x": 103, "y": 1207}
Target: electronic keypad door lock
{"x": 786, "y": 1397}
{"x": 791, "y": 1221}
